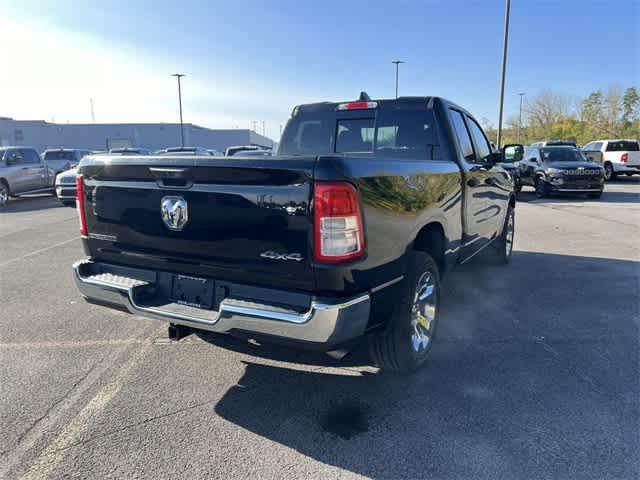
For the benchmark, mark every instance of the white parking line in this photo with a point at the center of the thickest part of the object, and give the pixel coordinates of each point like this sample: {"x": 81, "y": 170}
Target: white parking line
{"x": 36, "y": 252}
{"x": 85, "y": 343}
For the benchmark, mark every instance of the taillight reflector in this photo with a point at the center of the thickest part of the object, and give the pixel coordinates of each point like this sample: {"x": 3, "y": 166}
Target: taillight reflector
{"x": 624, "y": 157}
{"x": 357, "y": 105}
{"x": 80, "y": 205}
{"x": 338, "y": 228}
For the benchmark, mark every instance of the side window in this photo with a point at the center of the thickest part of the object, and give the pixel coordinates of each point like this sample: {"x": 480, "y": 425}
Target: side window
{"x": 464, "y": 140}
{"x": 587, "y": 147}
{"x": 30, "y": 156}
{"x": 482, "y": 144}
{"x": 14, "y": 156}
{"x": 596, "y": 146}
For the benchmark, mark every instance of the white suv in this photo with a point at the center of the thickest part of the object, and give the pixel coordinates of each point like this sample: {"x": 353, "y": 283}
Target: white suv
{"x": 617, "y": 156}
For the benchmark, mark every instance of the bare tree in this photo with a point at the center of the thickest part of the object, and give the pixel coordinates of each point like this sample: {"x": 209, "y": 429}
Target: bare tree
{"x": 546, "y": 109}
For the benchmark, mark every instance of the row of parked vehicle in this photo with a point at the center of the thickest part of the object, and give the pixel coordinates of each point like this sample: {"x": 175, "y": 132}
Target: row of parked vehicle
{"x": 561, "y": 167}
{"x": 25, "y": 171}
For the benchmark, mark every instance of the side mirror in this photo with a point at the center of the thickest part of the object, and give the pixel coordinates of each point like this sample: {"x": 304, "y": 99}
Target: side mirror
{"x": 513, "y": 152}
{"x": 493, "y": 158}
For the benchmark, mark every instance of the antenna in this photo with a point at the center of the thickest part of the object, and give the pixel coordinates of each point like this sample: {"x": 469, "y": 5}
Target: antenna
{"x": 93, "y": 113}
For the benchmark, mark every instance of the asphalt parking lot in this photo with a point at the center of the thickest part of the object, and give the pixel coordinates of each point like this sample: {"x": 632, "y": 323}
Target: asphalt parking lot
{"x": 535, "y": 372}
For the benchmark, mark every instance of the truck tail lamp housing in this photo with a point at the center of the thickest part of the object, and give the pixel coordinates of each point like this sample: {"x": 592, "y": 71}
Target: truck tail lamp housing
{"x": 338, "y": 227}
{"x": 80, "y": 204}
{"x": 624, "y": 157}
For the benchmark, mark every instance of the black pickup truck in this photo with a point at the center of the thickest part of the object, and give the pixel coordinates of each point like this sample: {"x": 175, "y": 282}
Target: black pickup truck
{"x": 345, "y": 234}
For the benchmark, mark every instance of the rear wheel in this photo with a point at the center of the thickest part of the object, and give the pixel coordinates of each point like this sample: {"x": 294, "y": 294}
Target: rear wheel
{"x": 609, "y": 172}
{"x": 504, "y": 244}
{"x": 403, "y": 346}
{"x": 4, "y": 193}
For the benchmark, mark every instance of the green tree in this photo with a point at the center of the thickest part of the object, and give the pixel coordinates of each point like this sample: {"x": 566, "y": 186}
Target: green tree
{"x": 630, "y": 105}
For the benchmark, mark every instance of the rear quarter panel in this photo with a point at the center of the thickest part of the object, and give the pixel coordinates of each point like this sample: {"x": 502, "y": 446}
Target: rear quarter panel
{"x": 398, "y": 197}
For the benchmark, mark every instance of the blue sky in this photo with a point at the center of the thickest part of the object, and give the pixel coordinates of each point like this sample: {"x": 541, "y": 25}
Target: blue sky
{"x": 254, "y": 60}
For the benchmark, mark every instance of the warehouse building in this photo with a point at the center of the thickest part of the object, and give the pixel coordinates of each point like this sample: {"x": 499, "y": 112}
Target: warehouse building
{"x": 103, "y": 136}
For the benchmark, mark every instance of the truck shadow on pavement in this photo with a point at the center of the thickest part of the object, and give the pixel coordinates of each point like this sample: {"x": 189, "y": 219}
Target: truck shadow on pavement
{"x": 31, "y": 203}
{"x": 528, "y": 378}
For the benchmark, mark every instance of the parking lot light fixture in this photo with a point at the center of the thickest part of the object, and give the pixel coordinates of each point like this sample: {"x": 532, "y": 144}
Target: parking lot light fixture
{"x": 179, "y": 76}
{"x": 397, "y": 63}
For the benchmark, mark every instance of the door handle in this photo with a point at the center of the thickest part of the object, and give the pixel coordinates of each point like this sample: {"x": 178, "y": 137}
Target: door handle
{"x": 472, "y": 182}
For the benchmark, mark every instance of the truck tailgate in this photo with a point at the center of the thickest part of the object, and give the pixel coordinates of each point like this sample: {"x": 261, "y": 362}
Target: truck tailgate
{"x": 245, "y": 219}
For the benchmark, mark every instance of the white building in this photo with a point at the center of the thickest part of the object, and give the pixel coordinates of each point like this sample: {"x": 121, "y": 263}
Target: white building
{"x": 102, "y": 136}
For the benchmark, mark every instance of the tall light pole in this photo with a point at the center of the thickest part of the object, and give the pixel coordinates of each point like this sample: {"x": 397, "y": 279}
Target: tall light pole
{"x": 504, "y": 68}
{"x": 179, "y": 76}
{"x": 397, "y": 62}
{"x": 522, "y": 94}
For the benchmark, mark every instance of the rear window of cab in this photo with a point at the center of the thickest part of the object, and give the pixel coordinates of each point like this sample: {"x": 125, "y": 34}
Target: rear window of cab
{"x": 409, "y": 133}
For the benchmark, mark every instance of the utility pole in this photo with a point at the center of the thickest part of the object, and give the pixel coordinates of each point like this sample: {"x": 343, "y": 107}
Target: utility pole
{"x": 522, "y": 94}
{"x": 93, "y": 113}
{"x": 179, "y": 76}
{"x": 263, "y": 129}
{"x": 397, "y": 63}
{"x": 280, "y": 131}
{"x": 504, "y": 68}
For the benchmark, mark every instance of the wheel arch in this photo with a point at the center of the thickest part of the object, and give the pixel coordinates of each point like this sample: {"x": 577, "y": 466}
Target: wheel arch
{"x": 432, "y": 240}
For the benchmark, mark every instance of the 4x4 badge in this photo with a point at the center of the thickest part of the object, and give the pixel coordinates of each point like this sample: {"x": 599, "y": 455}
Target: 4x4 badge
{"x": 281, "y": 256}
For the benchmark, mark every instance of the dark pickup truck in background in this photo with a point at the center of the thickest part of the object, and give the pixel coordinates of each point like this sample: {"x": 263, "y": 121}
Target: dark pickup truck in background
{"x": 345, "y": 234}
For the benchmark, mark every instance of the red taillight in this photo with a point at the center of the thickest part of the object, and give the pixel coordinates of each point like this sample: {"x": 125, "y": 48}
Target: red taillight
{"x": 80, "y": 206}
{"x": 357, "y": 105}
{"x": 338, "y": 229}
{"x": 624, "y": 157}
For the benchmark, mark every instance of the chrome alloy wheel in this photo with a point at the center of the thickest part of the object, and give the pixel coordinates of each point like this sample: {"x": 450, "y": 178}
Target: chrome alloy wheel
{"x": 508, "y": 235}
{"x": 423, "y": 312}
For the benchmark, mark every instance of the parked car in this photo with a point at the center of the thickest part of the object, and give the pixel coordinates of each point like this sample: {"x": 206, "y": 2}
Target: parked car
{"x": 184, "y": 151}
{"x": 347, "y": 233}
{"x": 240, "y": 149}
{"x": 66, "y": 186}
{"x": 616, "y": 156}
{"x": 129, "y": 151}
{"x": 22, "y": 171}
{"x": 61, "y": 159}
{"x": 555, "y": 143}
{"x": 255, "y": 153}
{"x": 562, "y": 170}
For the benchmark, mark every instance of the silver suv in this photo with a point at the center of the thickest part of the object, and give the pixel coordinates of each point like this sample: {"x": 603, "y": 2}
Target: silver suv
{"x": 22, "y": 170}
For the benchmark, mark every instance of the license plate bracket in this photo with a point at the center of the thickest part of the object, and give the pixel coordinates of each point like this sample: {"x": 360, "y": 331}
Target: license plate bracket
{"x": 192, "y": 291}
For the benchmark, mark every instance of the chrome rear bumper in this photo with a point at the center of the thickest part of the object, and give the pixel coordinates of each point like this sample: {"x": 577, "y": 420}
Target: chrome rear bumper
{"x": 326, "y": 322}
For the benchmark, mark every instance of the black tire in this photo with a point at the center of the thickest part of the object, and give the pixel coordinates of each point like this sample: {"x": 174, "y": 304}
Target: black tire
{"x": 4, "y": 193}
{"x": 404, "y": 344}
{"x": 542, "y": 189}
{"x": 595, "y": 195}
{"x": 609, "y": 172}
{"x": 503, "y": 245}
{"x": 629, "y": 174}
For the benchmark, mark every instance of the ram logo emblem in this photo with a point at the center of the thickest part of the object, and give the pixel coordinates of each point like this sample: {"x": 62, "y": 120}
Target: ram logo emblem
{"x": 174, "y": 211}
